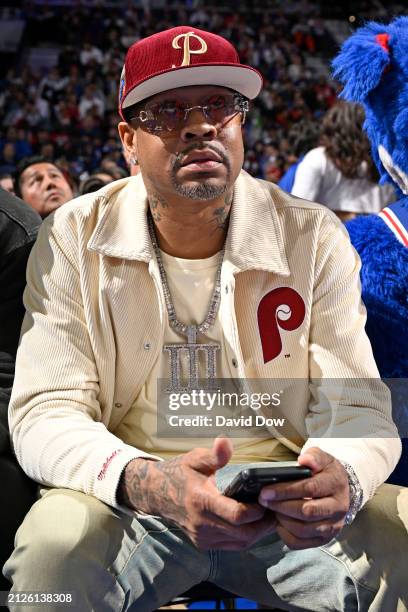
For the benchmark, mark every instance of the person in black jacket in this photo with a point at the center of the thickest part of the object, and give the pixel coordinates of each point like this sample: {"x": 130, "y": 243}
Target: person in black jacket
{"x": 18, "y": 230}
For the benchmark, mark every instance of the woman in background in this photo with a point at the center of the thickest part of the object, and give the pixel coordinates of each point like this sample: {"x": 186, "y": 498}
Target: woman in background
{"x": 340, "y": 173}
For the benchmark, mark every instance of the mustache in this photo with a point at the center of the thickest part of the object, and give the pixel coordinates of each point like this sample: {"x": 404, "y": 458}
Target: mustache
{"x": 194, "y": 147}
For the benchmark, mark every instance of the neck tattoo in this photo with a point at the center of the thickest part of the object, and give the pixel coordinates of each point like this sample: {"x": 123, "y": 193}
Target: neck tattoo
{"x": 191, "y": 347}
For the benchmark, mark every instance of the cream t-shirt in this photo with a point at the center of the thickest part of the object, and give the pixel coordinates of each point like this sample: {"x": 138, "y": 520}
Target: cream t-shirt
{"x": 191, "y": 283}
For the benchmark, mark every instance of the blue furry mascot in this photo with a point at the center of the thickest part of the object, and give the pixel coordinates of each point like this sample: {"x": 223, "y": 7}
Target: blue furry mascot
{"x": 373, "y": 66}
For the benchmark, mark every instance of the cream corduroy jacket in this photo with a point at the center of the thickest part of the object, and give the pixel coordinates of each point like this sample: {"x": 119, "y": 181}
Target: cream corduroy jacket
{"x": 95, "y": 320}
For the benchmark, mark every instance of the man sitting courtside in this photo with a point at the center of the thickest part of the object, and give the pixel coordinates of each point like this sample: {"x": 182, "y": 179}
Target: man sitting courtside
{"x": 193, "y": 267}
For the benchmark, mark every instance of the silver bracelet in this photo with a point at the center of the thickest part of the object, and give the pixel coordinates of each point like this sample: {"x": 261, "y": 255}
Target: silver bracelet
{"x": 356, "y": 494}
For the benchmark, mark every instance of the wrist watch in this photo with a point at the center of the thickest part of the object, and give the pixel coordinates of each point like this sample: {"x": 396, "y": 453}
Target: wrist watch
{"x": 356, "y": 494}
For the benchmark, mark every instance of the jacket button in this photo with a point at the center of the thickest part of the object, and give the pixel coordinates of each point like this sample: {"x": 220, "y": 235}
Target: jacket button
{"x": 226, "y": 288}
{"x": 235, "y": 363}
{"x": 147, "y": 346}
{"x": 118, "y": 405}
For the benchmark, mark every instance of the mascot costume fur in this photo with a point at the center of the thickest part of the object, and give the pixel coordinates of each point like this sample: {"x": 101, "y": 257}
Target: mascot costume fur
{"x": 373, "y": 67}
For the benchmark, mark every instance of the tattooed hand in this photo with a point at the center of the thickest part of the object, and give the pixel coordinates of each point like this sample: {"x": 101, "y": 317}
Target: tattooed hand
{"x": 310, "y": 512}
{"x": 183, "y": 491}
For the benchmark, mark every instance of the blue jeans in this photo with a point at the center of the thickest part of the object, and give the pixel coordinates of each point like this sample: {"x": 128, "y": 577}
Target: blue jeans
{"x": 112, "y": 562}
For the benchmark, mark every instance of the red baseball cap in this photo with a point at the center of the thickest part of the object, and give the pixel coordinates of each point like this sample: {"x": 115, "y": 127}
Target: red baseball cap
{"x": 180, "y": 57}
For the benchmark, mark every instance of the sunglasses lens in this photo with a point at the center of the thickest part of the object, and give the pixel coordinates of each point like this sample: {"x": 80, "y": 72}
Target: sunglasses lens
{"x": 171, "y": 115}
{"x": 220, "y": 108}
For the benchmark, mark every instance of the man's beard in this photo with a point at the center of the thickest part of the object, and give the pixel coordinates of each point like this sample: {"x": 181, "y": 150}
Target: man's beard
{"x": 204, "y": 190}
{"x": 200, "y": 191}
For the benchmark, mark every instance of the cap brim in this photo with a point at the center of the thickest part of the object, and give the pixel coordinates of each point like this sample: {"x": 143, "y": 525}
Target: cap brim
{"x": 244, "y": 79}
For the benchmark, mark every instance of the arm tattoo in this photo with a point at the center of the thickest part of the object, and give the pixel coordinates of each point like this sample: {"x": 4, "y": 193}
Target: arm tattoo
{"x": 155, "y": 487}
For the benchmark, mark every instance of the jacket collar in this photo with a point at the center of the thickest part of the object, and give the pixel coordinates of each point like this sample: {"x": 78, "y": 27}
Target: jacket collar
{"x": 254, "y": 239}
{"x": 121, "y": 230}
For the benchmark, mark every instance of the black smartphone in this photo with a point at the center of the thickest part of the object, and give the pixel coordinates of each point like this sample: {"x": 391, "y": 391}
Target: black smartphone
{"x": 247, "y": 484}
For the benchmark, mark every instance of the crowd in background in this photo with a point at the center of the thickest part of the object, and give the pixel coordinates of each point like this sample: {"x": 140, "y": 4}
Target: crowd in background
{"x": 68, "y": 113}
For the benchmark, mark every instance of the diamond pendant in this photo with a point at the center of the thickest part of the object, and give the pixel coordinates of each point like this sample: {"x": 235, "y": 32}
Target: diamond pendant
{"x": 192, "y": 349}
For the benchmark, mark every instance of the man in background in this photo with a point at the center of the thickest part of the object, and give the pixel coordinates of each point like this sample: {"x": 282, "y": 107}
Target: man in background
{"x": 42, "y": 185}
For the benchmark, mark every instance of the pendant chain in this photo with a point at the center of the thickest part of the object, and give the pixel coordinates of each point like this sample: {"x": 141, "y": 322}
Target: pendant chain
{"x": 215, "y": 298}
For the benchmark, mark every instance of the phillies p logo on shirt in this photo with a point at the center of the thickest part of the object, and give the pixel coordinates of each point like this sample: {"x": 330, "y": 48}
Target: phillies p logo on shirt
{"x": 281, "y": 308}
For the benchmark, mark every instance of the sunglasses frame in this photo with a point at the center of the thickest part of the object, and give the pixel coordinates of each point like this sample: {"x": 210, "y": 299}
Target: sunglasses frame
{"x": 241, "y": 103}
